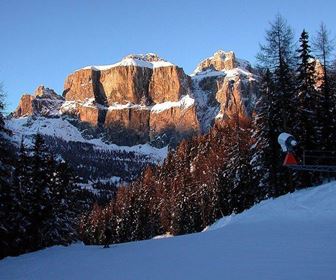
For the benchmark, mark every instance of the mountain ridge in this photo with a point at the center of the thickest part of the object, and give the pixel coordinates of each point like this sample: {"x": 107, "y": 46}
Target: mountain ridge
{"x": 150, "y": 98}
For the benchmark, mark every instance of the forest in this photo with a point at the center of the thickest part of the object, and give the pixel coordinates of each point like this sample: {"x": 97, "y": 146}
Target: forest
{"x": 237, "y": 164}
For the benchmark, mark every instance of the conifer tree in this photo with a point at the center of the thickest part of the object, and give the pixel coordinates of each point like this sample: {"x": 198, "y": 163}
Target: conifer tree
{"x": 323, "y": 48}
{"x": 306, "y": 128}
{"x": 21, "y": 200}
{"x": 277, "y": 55}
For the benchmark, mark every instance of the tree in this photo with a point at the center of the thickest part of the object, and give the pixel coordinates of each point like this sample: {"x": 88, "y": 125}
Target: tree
{"x": 278, "y": 48}
{"x": 323, "y": 48}
{"x": 21, "y": 201}
{"x": 306, "y": 127}
{"x": 277, "y": 55}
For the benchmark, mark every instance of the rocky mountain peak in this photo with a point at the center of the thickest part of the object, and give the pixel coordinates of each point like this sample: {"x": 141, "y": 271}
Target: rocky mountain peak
{"x": 44, "y": 101}
{"x": 44, "y": 92}
{"x": 222, "y": 61}
{"x": 150, "y": 57}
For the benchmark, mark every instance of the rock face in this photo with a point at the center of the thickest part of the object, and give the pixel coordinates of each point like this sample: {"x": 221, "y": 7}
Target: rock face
{"x": 44, "y": 102}
{"x": 123, "y": 84}
{"x": 89, "y": 114}
{"x": 81, "y": 85}
{"x": 171, "y": 80}
{"x": 128, "y": 126}
{"x": 25, "y": 107}
{"x": 174, "y": 123}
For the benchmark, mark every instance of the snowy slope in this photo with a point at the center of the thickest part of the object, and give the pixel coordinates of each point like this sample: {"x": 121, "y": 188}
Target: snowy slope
{"x": 59, "y": 127}
{"x": 292, "y": 237}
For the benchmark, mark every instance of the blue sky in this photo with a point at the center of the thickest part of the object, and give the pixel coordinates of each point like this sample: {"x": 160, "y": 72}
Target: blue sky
{"x": 43, "y": 41}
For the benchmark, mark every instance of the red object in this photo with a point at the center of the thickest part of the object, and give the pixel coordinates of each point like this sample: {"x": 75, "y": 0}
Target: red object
{"x": 290, "y": 159}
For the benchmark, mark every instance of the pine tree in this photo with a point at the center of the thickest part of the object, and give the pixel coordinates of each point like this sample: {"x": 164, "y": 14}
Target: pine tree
{"x": 65, "y": 205}
{"x": 323, "y": 48}
{"x": 278, "y": 56}
{"x": 306, "y": 127}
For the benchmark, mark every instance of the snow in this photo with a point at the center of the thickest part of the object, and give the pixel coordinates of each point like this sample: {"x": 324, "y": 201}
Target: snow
{"x": 124, "y": 62}
{"x": 166, "y": 235}
{"x": 291, "y": 237}
{"x": 312, "y": 205}
{"x": 129, "y": 105}
{"x": 61, "y": 128}
{"x": 184, "y": 103}
{"x": 229, "y": 74}
{"x": 162, "y": 63}
{"x": 207, "y": 73}
{"x": 132, "y": 60}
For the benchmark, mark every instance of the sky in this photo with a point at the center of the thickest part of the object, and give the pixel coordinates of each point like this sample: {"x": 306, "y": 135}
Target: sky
{"x": 43, "y": 41}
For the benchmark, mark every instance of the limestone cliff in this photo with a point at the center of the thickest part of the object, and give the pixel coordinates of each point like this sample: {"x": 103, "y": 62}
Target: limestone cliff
{"x": 168, "y": 84}
{"x": 120, "y": 97}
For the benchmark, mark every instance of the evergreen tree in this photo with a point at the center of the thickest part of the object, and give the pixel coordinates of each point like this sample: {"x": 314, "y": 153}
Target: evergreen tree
{"x": 323, "y": 48}
{"x": 278, "y": 56}
{"x": 65, "y": 205}
{"x": 306, "y": 128}
{"x": 21, "y": 200}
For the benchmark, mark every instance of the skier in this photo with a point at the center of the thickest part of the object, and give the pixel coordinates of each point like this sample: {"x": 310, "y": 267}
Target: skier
{"x": 108, "y": 236}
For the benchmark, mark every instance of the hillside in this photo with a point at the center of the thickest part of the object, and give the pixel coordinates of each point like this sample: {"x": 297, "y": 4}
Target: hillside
{"x": 291, "y": 237}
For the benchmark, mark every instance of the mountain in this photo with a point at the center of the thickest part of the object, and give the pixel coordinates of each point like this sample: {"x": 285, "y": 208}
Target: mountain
{"x": 290, "y": 237}
{"x": 223, "y": 86}
{"x": 135, "y": 108}
{"x": 150, "y": 99}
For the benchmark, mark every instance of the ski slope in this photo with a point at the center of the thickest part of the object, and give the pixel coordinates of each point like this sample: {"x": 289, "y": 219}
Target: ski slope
{"x": 291, "y": 237}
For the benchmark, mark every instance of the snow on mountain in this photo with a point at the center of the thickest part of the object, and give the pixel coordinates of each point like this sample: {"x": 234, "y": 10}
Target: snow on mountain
{"x": 61, "y": 128}
{"x": 185, "y": 102}
{"x": 149, "y": 60}
{"x": 291, "y": 237}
